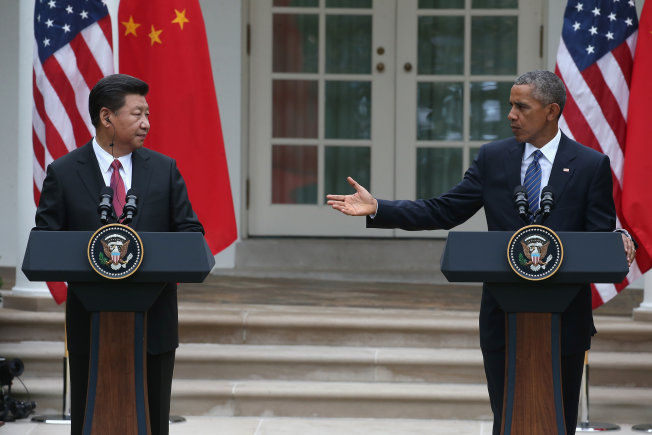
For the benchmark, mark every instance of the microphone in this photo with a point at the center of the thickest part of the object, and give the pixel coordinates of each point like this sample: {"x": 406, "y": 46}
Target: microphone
{"x": 105, "y": 208}
{"x": 130, "y": 208}
{"x": 547, "y": 202}
{"x": 521, "y": 204}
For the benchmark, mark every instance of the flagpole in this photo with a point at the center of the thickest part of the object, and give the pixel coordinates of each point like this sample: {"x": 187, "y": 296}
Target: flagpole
{"x": 585, "y": 425}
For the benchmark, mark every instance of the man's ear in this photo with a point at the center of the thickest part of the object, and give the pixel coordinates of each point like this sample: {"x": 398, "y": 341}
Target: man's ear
{"x": 553, "y": 111}
{"x": 105, "y": 116}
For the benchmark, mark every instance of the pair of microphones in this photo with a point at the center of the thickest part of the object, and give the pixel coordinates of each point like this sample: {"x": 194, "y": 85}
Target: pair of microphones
{"x": 105, "y": 208}
{"x": 522, "y": 205}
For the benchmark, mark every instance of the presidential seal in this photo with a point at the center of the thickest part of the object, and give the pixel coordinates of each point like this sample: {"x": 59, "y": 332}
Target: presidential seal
{"x": 535, "y": 252}
{"x": 115, "y": 251}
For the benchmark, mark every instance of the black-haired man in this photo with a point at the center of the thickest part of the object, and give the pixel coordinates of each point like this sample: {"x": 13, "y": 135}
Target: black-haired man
{"x": 581, "y": 180}
{"x": 69, "y": 198}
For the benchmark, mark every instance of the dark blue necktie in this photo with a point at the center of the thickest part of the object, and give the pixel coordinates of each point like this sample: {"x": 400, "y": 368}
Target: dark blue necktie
{"x": 533, "y": 183}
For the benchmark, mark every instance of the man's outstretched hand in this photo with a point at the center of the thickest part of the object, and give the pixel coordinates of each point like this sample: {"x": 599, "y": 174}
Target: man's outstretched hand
{"x": 361, "y": 203}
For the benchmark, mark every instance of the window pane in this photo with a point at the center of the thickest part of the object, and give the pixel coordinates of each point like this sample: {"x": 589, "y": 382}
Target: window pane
{"x": 348, "y": 110}
{"x": 440, "y": 110}
{"x": 494, "y": 4}
{"x": 294, "y": 174}
{"x": 348, "y": 44}
{"x": 441, "y": 4}
{"x": 342, "y": 162}
{"x": 294, "y": 108}
{"x": 297, "y": 3}
{"x": 296, "y": 43}
{"x": 441, "y": 45}
{"x": 438, "y": 169}
{"x": 493, "y": 45}
{"x": 489, "y": 109}
{"x": 348, "y": 4}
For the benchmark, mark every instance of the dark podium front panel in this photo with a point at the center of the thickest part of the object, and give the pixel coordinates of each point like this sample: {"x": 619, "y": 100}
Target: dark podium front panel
{"x": 533, "y": 401}
{"x": 117, "y": 392}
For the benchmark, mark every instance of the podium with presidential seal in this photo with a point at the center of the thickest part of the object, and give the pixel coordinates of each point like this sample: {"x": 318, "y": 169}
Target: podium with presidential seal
{"x": 118, "y": 275}
{"x": 534, "y": 274}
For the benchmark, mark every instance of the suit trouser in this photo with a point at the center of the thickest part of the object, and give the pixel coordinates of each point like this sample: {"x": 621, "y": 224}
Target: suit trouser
{"x": 160, "y": 368}
{"x": 571, "y": 375}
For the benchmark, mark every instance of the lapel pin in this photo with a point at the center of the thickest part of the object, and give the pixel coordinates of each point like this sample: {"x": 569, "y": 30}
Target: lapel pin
{"x": 566, "y": 170}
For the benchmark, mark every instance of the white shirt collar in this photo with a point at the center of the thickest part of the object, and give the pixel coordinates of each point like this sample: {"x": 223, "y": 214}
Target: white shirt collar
{"x": 104, "y": 159}
{"x": 549, "y": 150}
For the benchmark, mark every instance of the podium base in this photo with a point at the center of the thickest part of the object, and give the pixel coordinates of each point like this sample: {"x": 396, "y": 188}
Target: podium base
{"x": 52, "y": 419}
{"x": 595, "y": 426}
{"x": 643, "y": 428}
{"x": 65, "y": 419}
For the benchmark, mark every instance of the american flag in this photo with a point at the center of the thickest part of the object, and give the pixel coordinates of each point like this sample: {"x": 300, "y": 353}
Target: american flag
{"x": 72, "y": 51}
{"x": 594, "y": 60}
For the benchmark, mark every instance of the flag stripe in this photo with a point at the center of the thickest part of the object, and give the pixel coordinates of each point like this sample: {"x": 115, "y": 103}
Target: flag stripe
{"x": 607, "y": 103}
{"x": 65, "y": 90}
{"x": 51, "y": 136}
{"x": 589, "y": 107}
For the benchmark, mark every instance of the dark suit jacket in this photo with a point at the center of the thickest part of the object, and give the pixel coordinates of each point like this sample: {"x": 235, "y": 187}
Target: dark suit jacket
{"x": 583, "y": 202}
{"x": 69, "y": 200}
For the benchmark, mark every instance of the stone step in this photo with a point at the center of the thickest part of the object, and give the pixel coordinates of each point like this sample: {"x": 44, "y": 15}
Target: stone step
{"x": 338, "y": 364}
{"x": 348, "y": 399}
{"x": 329, "y": 326}
{"x": 388, "y": 260}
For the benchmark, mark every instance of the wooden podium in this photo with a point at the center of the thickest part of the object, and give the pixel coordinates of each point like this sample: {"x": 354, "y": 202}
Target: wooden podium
{"x": 533, "y": 402}
{"x": 116, "y": 400}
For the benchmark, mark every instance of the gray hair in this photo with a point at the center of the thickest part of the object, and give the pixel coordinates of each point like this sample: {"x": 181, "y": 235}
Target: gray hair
{"x": 547, "y": 88}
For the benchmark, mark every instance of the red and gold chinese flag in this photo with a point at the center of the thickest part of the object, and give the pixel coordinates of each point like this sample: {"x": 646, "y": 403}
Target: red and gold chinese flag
{"x": 164, "y": 43}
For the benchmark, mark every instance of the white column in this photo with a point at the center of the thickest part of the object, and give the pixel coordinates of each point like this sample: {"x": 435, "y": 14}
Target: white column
{"x": 25, "y": 207}
{"x": 644, "y": 311}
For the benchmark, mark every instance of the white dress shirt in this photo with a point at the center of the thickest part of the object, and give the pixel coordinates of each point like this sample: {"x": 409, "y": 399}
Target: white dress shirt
{"x": 105, "y": 159}
{"x": 549, "y": 152}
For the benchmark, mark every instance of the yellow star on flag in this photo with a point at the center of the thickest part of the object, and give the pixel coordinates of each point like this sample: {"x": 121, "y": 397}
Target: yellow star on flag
{"x": 153, "y": 35}
{"x": 181, "y": 18}
{"x": 130, "y": 26}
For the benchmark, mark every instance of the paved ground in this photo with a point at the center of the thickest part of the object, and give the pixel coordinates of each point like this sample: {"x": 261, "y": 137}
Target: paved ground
{"x": 294, "y": 426}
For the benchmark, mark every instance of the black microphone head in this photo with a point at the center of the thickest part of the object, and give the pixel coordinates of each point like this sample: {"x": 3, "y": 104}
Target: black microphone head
{"x": 547, "y": 190}
{"x": 132, "y": 192}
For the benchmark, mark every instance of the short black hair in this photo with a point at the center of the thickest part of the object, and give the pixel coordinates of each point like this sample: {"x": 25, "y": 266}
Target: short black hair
{"x": 110, "y": 92}
{"x": 547, "y": 87}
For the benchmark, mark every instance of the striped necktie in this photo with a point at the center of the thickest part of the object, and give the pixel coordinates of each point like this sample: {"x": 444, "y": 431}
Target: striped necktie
{"x": 533, "y": 183}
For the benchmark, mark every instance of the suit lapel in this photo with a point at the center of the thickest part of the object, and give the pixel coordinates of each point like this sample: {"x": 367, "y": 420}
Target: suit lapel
{"x": 562, "y": 167}
{"x": 513, "y": 165}
{"x": 140, "y": 178}
{"x": 89, "y": 172}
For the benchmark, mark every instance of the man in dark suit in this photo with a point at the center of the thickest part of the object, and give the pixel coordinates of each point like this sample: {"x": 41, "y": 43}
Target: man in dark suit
{"x": 69, "y": 201}
{"x": 581, "y": 181}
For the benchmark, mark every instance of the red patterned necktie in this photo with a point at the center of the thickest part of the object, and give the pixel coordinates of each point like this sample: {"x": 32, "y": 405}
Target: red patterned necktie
{"x": 118, "y": 187}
